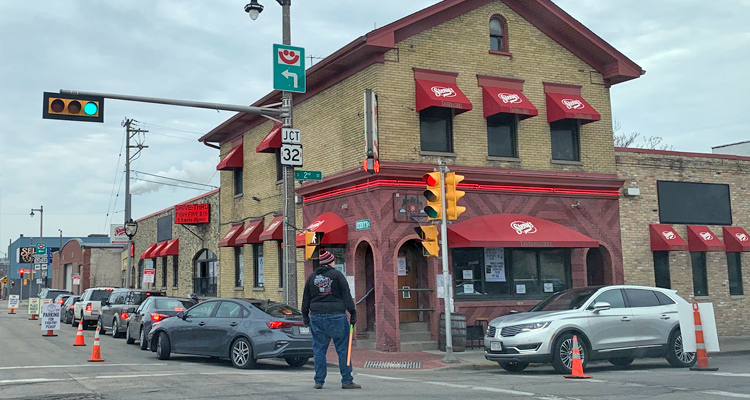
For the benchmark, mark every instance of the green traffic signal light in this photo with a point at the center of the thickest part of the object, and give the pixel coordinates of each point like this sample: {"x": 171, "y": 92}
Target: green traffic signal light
{"x": 73, "y": 107}
{"x": 91, "y": 108}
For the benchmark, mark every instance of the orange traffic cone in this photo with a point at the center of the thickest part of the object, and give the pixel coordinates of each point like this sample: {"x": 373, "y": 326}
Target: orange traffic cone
{"x": 79, "y": 335}
{"x": 96, "y": 355}
{"x": 33, "y": 317}
{"x": 12, "y": 311}
{"x": 50, "y": 332}
{"x": 700, "y": 346}
{"x": 576, "y": 365}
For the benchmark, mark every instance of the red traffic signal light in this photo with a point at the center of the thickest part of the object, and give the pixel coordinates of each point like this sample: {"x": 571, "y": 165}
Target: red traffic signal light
{"x": 73, "y": 107}
{"x": 434, "y": 208}
{"x": 21, "y": 272}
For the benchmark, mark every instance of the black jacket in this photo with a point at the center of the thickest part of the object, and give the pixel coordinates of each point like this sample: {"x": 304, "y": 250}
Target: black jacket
{"x": 327, "y": 292}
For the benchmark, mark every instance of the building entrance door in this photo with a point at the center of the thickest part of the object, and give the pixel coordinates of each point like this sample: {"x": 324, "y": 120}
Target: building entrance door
{"x": 410, "y": 268}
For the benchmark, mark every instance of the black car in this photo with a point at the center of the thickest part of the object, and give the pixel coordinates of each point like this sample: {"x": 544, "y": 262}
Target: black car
{"x": 243, "y": 330}
{"x": 68, "y": 308}
{"x": 114, "y": 316}
{"x": 154, "y": 309}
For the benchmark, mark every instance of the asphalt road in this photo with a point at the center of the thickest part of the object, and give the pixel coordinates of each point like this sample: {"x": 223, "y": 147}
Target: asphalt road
{"x": 36, "y": 367}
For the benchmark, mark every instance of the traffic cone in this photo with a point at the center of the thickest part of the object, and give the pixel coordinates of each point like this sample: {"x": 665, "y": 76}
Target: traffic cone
{"x": 33, "y": 317}
{"x": 700, "y": 346}
{"x": 79, "y": 335}
{"x": 96, "y": 355}
{"x": 576, "y": 365}
{"x": 12, "y": 311}
{"x": 50, "y": 332}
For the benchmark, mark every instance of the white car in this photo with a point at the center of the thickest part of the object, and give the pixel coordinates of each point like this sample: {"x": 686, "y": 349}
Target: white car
{"x": 88, "y": 308}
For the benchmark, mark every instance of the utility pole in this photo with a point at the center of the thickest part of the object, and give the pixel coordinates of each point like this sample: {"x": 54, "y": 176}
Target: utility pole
{"x": 129, "y": 134}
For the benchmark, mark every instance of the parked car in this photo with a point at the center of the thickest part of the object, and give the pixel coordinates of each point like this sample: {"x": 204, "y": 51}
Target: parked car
{"x": 114, "y": 315}
{"x": 616, "y": 323}
{"x": 89, "y": 306}
{"x": 152, "y": 310}
{"x": 48, "y": 293}
{"x": 243, "y": 330}
{"x": 68, "y": 308}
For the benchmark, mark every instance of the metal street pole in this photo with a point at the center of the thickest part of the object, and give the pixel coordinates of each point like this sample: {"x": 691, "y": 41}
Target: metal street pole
{"x": 447, "y": 284}
{"x": 127, "y": 198}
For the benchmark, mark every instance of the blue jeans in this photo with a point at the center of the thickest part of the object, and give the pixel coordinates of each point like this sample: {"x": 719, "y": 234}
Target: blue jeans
{"x": 325, "y": 327}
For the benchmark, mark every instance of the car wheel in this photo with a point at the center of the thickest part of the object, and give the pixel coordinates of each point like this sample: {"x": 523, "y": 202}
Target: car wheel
{"x": 128, "y": 339}
{"x": 513, "y": 366}
{"x": 297, "y": 362}
{"x": 241, "y": 354}
{"x": 163, "y": 347}
{"x": 85, "y": 323}
{"x": 116, "y": 329}
{"x": 676, "y": 354}
{"x": 621, "y": 361}
{"x": 144, "y": 342}
{"x": 562, "y": 353}
{"x": 73, "y": 321}
{"x": 99, "y": 324}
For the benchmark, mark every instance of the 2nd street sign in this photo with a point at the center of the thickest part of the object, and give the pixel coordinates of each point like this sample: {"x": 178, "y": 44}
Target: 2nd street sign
{"x": 289, "y": 68}
{"x": 301, "y": 175}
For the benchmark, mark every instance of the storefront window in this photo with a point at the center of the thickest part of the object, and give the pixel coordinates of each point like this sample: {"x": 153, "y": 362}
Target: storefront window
{"x": 734, "y": 264}
{"x": 700, "y": 277}
{"x": 339, "y": 258}
{"x": 258, "y": 265}
{"x": 661, "y": 270}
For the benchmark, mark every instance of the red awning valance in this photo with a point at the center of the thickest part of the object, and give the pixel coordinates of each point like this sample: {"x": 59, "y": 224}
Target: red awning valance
{"x": 440, "y": 94}
{"x": 331, "y": 224}
{"x": 736, "y": 239}
{"x": 500, "y": 100}
{"x": 664, "y": 238}
{"x": 233, "y": 159}
{"x": 172, "y": 248}
{"x": 230, "y": 238}
{"x": 147, "y": 254}
{"x": 271, "y": 142}
{"x": 700, "y": 238}
{"x": 251, "y": 233}
{"x": 274, "y": 230}
{"x": 562, "y": 106}
{"x": 514, "y": 230}
{"x": 158, "y": 249}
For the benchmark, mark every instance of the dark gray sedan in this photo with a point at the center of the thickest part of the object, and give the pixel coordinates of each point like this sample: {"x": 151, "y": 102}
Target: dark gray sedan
{"x": 243, "y": 330}
{"x": 152, "y": 310}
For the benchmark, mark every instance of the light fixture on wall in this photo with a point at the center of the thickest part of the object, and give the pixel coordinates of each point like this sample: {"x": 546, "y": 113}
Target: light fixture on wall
{"x": 255, "y": 198}
{"x": 576, "y": 204}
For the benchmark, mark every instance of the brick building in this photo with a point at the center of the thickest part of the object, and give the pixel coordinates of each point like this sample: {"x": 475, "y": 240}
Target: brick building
{"x": 684, "y": 218}
{"x": 97, "y": 264}
{"x": 513, "y": 95}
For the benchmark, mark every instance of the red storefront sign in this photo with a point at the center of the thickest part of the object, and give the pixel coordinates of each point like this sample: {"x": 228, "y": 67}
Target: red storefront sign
{"x": 192, "y": 213}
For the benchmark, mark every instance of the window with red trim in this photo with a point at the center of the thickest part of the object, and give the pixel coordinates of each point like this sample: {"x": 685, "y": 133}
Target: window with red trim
{"x": 498, "y": 34}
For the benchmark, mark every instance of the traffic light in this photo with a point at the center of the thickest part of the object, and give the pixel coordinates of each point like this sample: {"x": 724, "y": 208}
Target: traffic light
{"x": 452, "y": 195}
{"x": 434, "y": 209}
{"x": 429, "y": 236}
{"x": 12, "y": 283}
{"x": 73, "y": 107}
{"x": 312, "y": 243}
{"x": 21, "y": 272}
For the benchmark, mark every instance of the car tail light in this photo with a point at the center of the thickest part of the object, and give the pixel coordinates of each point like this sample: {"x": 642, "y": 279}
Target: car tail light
{"x": 72, "y": 306}
{"x": 156, "y": 317}
{"x": 124, "y": 315}
{"x": 88, "y": 307}
{"x": 60, "y": 302}
{"x": 282, "y": 324}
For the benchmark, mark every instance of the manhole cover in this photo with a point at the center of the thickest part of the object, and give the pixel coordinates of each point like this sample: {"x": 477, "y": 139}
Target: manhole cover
{"x": 393, "y": 364}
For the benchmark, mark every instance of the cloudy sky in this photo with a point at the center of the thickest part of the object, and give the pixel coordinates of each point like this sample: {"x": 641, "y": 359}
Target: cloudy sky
{"x": 693, "y": 94}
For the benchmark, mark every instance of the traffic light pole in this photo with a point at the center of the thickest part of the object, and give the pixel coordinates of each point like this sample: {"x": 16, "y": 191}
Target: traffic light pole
{"x": 447, "y": 284}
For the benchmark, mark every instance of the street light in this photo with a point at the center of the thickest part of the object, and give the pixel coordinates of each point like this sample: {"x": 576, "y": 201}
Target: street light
{"x": 131, "y": 228}
{"x": 41, "y": 234}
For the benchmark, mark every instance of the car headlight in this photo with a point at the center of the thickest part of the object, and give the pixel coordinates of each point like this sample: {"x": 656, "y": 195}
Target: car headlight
{"x": 534, "y": 327}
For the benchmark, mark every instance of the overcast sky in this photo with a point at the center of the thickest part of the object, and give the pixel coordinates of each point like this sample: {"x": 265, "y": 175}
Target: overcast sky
{"x": 693, "y": 94}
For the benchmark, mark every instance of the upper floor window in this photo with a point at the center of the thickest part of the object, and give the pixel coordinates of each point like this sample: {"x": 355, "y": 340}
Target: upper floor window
{"x": 498, "y": 34}
{"x": 279, "y": 167}
{"x": 565, "y": 139}
{"x": 501, "y": 135}
{"x": 436, "y": 129}
{"x": 237, "y": 176}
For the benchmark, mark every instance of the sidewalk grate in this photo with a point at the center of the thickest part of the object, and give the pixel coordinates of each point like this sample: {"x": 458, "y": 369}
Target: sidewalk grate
{"x": 393, "y": 364}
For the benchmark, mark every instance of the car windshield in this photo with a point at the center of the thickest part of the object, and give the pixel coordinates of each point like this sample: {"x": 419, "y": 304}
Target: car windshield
{"x": 53, "y": 293}
{"x": 140, "y": 297}
{"x": 566, "y": 300}
{"x": 173, "y": 304}
{"x": 99, "y": 295}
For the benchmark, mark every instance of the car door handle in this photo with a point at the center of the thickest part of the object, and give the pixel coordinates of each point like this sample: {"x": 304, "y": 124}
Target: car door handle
{"x": 201, "y": 323}
{"x": 625, "y": 319}
{"x": 234, "y": 324}
{"x": 664, "y": 316}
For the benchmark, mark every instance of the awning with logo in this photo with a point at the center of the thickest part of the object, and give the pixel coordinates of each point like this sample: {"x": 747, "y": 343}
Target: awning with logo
{"x": 230, "y": 238}
{"x": 172, "y": 248}
{"x": 562, "y": 106}
{"x": 736, "y": 239}
{"x": 233, "y": 159}
{"x": 440, "y": 94}
{"x": 147, "y": 253}
{"x": 515, "y": 230}
{"x": 500, "y": 100}
{"x": 664, "y": 238}
{"x": 251, "y": 233}
{"x": 274, "y": 230}
{"x": 333, "y": 226}
{"x": 271, "y": 142}
{"x": 700, "y": 238}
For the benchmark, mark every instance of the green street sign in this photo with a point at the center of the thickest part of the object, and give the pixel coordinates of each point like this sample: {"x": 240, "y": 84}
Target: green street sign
{"x": 289, "y": 68}
{"x": 362, "y": 225}
{"x": 41, "y": 248}
{"x": 300, "y": 175}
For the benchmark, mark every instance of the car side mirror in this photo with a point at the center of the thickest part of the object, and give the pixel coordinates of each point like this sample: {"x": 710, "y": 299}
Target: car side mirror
{"x": 131, "y": 310}
{"x": 601, "y": 306}
{"x": 181, "y": 315}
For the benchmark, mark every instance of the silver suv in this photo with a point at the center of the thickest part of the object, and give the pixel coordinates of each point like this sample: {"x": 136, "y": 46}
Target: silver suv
{"x": 616, "y": 323}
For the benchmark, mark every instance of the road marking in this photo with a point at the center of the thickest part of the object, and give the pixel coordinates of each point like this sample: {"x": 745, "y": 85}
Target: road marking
{"x": 120, "y": 376}
{"x": 30, "y": 380}
{"x": 730, "y": 374}
{"x": 727, "y": 394}
{"x": 453, "y": 385}
{"x": 75, "y": 366}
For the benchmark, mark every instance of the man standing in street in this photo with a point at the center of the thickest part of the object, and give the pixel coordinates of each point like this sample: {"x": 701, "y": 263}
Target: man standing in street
{"x": 325, "y": 301}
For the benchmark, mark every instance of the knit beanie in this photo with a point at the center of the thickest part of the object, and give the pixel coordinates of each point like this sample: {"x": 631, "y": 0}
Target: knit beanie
{"x": 325, "y": 257}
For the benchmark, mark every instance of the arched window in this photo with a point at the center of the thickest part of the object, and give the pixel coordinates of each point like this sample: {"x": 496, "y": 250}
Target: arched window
{"x": 498, "y": 34}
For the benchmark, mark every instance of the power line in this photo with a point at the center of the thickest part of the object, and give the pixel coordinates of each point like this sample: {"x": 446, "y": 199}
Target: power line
{"x": 169, "y": 184}
{"x": 174, "y": 179}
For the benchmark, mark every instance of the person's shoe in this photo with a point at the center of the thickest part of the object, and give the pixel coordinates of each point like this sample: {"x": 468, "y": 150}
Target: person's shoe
{"x": 351, "y": 386}
{"x": 318, "y": 386}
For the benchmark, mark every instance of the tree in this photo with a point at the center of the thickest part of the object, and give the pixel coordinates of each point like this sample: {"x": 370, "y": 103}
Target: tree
{"x": 629, "y": 139}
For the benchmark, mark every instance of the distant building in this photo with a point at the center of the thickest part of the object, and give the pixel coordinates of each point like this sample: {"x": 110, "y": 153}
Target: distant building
{"x": 737, "y": 149}
{"x": 95, "y": 264}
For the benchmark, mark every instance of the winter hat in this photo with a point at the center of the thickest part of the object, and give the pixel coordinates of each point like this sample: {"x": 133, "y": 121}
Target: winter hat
{"x": 325, "y": 257}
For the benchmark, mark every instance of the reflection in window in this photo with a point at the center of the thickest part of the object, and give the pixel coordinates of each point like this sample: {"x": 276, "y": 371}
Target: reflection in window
{"x": 237, "y": 177}
{"x": 498, "y": 36}
{"x": 436, "y": 129}
{"x": 565, "y": 140}
{"x": 613, "y": 297}
{"x": 501, "y": 135}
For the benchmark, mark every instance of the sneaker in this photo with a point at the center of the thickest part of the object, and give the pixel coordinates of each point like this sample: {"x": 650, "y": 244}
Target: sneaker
{"x": 318, "y": 386}
{"x": 351, "y": 386}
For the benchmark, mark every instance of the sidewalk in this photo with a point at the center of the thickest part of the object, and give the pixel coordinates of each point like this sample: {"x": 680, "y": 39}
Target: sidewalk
{"x": 474, "y": 358}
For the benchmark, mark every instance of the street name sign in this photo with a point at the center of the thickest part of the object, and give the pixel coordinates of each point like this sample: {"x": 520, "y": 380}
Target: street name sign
{"x": 362, "y": 225}
{"x": 40, "y": 259}
{"x": 289, "y": 68}
{"x": 291, "y": 154}
{"x": 302, "y": 175}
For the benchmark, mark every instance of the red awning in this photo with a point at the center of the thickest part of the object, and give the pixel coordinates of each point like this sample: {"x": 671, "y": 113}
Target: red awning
{"x": 562, "y": 106}
{"x": 736, "y": 239}
{"x": 700, "y": 238}
{"x": 514, "y": 230}
{"x": 440, "y": 94}
{"x": 251, "y": 233}
{"x": 230, "y": 238}
{"x": 329, "y": 223}
{"x": 233, "y": 159}
{"x": 274, "y": 230}
{"x": 664, "y": 238}
{"x": 156, "y": 252}
{"x": 271, "y": 142}
{"x": 172, "y": 248}
{"x": 510, "y": 101}
{"x": 147, "y": 254}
